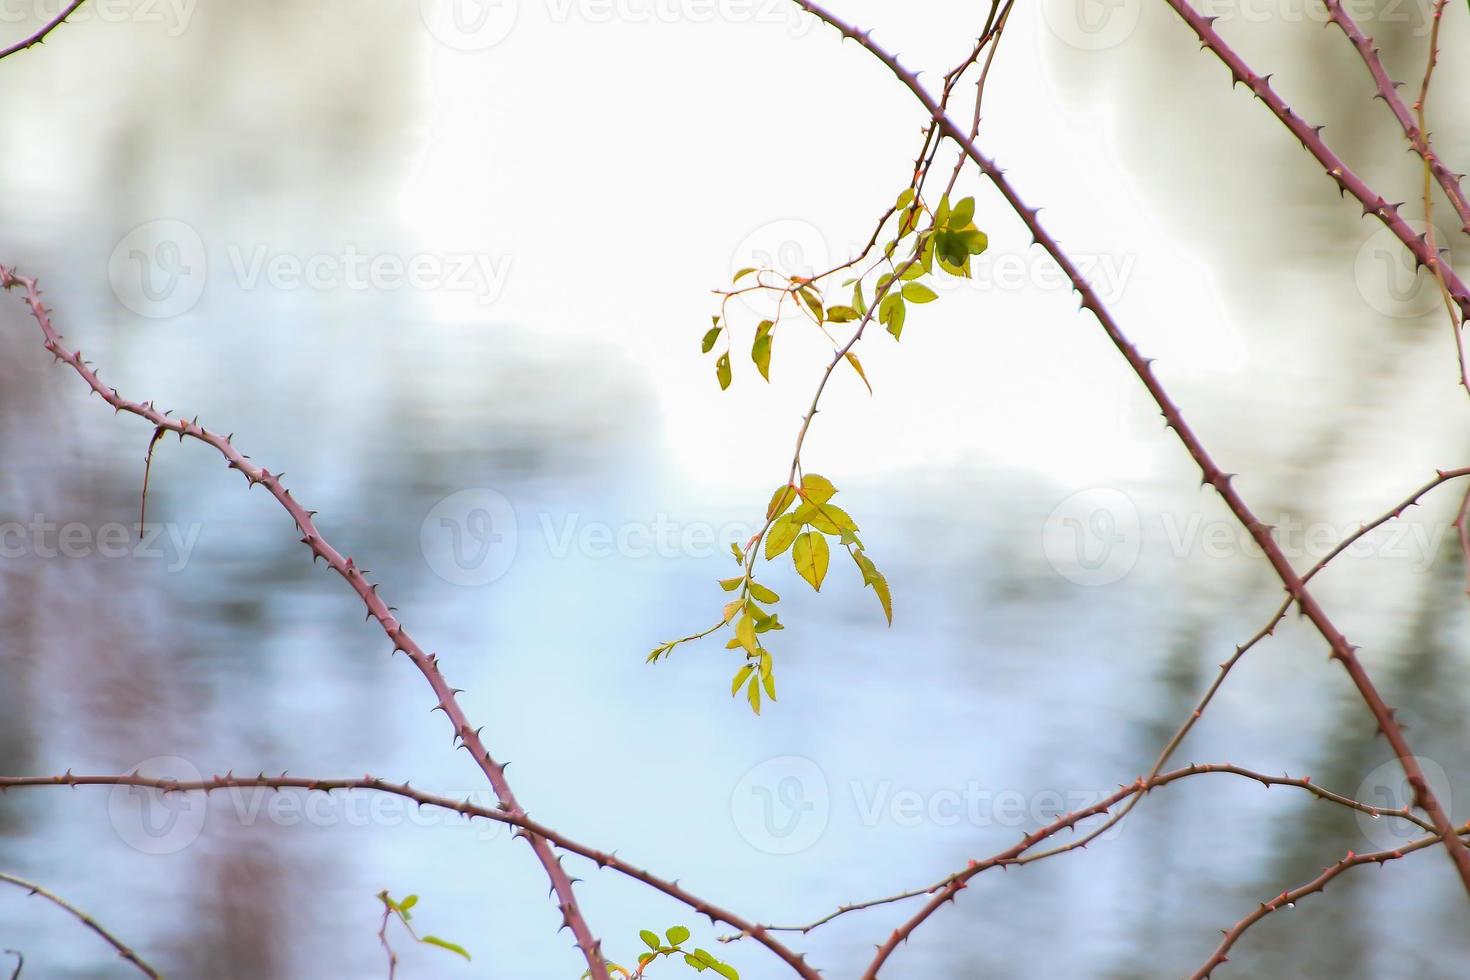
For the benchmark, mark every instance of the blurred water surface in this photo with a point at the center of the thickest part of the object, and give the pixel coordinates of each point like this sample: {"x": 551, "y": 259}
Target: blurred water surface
{"x": 1063, "y": 590}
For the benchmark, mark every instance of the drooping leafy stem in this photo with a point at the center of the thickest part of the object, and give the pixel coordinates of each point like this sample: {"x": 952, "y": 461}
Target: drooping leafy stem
{"x": 800, "y": 516}
{"x": 696, "y": 959}
{"x": 401, "y": 910}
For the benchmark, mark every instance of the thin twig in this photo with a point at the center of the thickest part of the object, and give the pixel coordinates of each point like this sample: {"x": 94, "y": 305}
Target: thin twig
{"x": 122, "y": 948}
{"x": 465, "y": 735}
{"x": 40, "y": 35}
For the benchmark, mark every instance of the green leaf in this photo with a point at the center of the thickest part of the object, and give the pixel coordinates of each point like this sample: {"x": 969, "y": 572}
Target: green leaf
{"x": 873, "y": 577}
{"x": 762, "y": 593}
{"x": 917, "y": 292}
{"x": 408, "y": 903}
{"x": 677, "y": 935}
{"x": 973, "y": 240}
{"x": 782, "y": 499}
{"x": 827, "y": 518}
{"x": 842, "y": 314}
{"x": 745, "y": 632}
{"x": 445, "y": 944}
{"x": 725, "y": 970}
{"x": 912, "y": 271}
{"x": 731, "y": 584}
{"x": 813, "y": 302}
{"x": 722, "y": 371}
{"x": 783, "y": 531}
{"x": 650, "y": 939}
{"x": 740, "y": 676}
{"x": 857, "y": 366}
{"x": 811, "y": 556}
{"x": 941, "y": 214}
{"x": 963, "y": 213}
{"x": 817, "y": 489}
{"x": 743, "y": 273}
{"x": 710, "y": 336}
{"x": 753, "y": 694}
{"x": 768, "y": 681}
{"x": 904, "y": 199}
{"x": 892, "y": 313}
{"x": 760, "y": 353}
{"x": 858, "y": 303}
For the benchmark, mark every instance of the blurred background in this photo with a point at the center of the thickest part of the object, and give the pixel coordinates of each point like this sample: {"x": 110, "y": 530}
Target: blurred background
{"x": 446, "y": 266}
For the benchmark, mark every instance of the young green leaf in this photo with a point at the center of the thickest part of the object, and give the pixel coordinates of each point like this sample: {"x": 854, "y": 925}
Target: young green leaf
{"x": 446, "y": 944}
{"x": 740, "y": 676}
{"x": 743, "y": 273}
{"x": 811, "y": 556}
{"x": 753, "y": 694}
{"x": 817, "y": 489}
{"x": 677, "y": 935}
{"x": 763, "y": 594}
{"x": 745, "y": 632}
{"x": 710, "y": 336}
{"x": 731, "y": 584}
{"x": 842, "y": 314}
{"x": 873, "y": 577}
{"x": 760, "y": 353}
{"x": 857, "y": 366}
{"x": 962, "y": 214}
{"x": 650, "y": 939}
{"x": 783, "y": 498}
{"x": 722, "y": 371}
{"x": 917, "y": 292}
{"x": 783, "y": 531}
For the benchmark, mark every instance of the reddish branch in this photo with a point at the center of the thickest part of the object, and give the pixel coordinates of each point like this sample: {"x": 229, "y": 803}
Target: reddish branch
{"x": 1311, "y": 138}
{"x": 428, "y": 664}
{"x": 518, "y": 820}
{"x": 122, "y": 948}
{"x": 1388, "y": 91}
{"x": 1341, "y": 650}
{"x": 40, "y": 35}
{"x": 1289, "y": 898}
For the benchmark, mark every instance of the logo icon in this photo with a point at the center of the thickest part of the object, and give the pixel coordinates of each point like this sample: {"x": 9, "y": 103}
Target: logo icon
{"x": 1389, "y": 278}
{"x": 159, "y": 269}
{"x": 1093, "y": 537}
{"x": 782, "y": 805}
{"x": 1388, "y": 788}
{"x": 154, "y": 821}
{"x": 1092, "y": 25}
{"x": 469, "y": 538}
{"x": 470, "y": 25}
